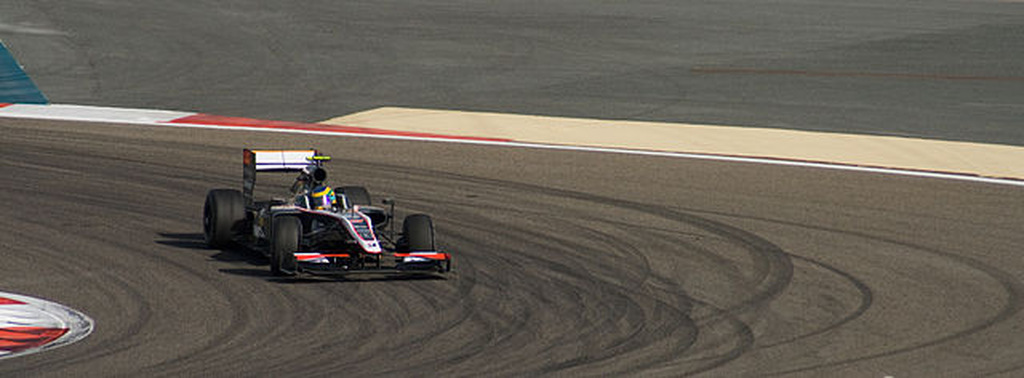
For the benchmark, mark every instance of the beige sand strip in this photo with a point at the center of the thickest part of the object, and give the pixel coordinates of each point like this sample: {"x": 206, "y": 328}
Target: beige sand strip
{"x": 877, "y": 151}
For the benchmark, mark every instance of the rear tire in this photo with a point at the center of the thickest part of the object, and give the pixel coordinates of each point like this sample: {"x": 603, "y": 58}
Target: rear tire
{"x": 356, "y": 195}
{"x": 418, "y": 233}
{"x": 223, "y": 213}
{"x": 287, "y": 232}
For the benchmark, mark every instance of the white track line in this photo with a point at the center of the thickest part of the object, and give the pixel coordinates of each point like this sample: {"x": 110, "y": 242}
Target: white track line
{"x": 739, "y": 159}
{"x": 163, "y": 118}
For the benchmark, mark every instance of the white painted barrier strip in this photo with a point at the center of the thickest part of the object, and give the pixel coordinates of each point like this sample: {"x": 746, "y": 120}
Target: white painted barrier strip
{"x": 90, "y": 113}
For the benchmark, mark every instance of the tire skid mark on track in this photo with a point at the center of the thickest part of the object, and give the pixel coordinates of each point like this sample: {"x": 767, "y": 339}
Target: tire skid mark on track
{"x": 771, "y": 275}
{"x": 773, "y": 268}
{"x": 224, "y": 346}
{"x": 110, "y": 286}
{"x": 1013, "y": 288}
{"x": 570, "y": 295}
{"x": 567, "y": 273}
{"x": 141, "y": 323}
{"x": 865, "y": 303}
{"x": 550, "y": 279}
{"x": 576, "y": 279}
{"x": 740, "y": 336}
{"x": 635, "y": 286}
{"x": 139, "y": 305}
{"x": 443, "y": 327}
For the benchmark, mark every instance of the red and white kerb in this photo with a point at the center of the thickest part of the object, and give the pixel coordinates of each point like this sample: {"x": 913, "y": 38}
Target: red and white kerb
{"x": 29, "y": 325}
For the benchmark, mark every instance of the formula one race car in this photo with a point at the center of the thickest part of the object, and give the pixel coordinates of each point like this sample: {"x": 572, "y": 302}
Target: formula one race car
{"x": 316, "y": 229}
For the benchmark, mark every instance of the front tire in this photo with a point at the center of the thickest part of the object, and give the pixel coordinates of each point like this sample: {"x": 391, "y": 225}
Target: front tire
{"x": 418, "y": 233}
{"x": 287, "y": 232}
{"x": 223, "y": 212}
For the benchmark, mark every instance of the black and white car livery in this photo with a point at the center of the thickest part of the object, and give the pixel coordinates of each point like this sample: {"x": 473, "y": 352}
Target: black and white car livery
{"x": 351, "y": 235}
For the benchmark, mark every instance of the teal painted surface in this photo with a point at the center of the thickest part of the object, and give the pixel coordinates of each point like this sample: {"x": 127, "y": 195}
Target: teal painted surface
{"x": 15, "y": 85}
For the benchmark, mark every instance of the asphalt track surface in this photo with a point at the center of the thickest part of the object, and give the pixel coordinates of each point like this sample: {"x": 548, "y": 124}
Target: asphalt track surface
{"x": 568, "y": 263}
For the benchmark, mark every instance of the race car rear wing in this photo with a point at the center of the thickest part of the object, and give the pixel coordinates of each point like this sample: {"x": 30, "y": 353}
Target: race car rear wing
{"x": 278, "y": 160}
{"x": 273, "y": 161}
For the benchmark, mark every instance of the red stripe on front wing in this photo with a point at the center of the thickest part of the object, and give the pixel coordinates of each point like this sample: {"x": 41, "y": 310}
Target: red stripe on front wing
{"x": 432, "y": 256}
{"x": 317, "y": 256}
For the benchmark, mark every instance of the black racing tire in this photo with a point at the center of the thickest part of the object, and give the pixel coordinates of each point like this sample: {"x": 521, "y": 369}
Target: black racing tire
{"x": 418, "y": 233}
{"x": 357, "y": 195}
{"x": 223, "y": 213}
{"x": 287, "y": 231}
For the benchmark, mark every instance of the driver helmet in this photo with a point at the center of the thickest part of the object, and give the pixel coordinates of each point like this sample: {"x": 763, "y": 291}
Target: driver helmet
{"x": 322, "y": 198}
